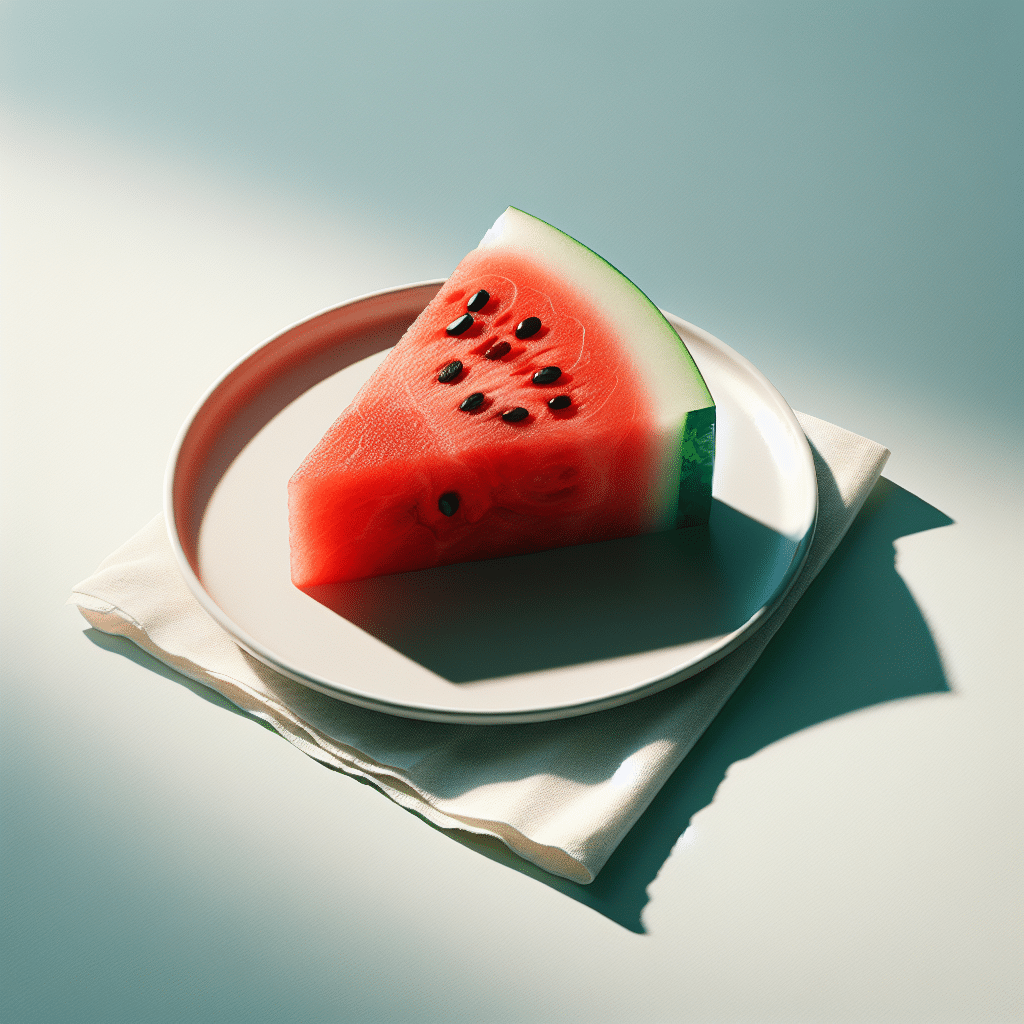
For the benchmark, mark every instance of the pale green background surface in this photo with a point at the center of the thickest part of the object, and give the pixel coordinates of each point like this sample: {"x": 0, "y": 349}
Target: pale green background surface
{"x": 832, "y": 190}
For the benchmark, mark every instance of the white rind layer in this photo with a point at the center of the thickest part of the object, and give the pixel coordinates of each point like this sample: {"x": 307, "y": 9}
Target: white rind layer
{"x": 667, "y": 369}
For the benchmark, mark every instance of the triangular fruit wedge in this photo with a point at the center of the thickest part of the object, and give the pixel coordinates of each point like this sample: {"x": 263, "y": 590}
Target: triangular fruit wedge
{"x": 540, "y": 400}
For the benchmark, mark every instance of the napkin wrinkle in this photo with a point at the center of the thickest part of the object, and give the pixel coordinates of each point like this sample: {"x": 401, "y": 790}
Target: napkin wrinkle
{"x": 312, "y": 742}
{"x": 560, "y": 794}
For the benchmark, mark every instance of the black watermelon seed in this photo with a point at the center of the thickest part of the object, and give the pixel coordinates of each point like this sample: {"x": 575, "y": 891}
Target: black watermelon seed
{"x": 528, "y": 327}
{"x": 515, "y": 415}
{"x": 474, "y": 401}
{"x": 451, "y": 371}
{"x": 478, "y": 301}
{"x": 547, "y": 376}
{"x": 460, "y": 326}
{"x": 561, "y": 402}
{"x": 502, "y": 348}
{"x": 448, "y": 503}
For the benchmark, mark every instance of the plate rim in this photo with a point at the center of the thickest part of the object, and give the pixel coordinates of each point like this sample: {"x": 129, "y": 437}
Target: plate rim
{"x": 435, "y": 713}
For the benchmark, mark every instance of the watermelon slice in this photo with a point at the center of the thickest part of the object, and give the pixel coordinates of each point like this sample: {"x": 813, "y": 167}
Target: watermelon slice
{"x": 540, "y": 400}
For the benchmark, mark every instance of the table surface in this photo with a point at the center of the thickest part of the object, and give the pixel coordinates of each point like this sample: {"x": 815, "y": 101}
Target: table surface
{"x": 827, "y": 191}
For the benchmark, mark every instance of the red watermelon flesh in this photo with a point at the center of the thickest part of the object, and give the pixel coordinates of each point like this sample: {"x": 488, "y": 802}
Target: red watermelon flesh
{"x": 406, "y": 479}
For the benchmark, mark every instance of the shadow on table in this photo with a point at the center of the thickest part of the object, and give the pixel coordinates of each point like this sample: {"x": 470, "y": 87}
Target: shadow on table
{"x": 856, "y": 638}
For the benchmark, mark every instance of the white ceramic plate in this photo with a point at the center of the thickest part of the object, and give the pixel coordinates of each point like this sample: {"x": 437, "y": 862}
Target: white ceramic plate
{"x": 528, "y": 638}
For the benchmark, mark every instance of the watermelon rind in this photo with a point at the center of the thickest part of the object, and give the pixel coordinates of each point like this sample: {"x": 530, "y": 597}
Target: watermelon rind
{"x": 684, "y": 411}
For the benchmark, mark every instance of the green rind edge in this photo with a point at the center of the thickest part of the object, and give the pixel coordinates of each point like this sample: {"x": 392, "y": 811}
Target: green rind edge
{"x": 637, "y": 289}
{"x": 696, "y": 468}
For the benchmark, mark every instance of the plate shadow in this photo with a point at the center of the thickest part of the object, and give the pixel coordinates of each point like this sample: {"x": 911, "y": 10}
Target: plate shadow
{"x": 593, "y": 601}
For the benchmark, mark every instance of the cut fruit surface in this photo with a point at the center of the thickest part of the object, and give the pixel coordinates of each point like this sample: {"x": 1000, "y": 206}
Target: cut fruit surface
{"x": 540, "y": 400}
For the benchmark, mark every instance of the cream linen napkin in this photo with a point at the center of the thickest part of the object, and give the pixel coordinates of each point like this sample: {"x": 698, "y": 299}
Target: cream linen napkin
{"x": 561, "y": 794}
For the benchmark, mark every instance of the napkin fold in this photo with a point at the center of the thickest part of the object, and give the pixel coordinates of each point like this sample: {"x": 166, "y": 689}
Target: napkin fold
{"x": 560, "y": 794}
